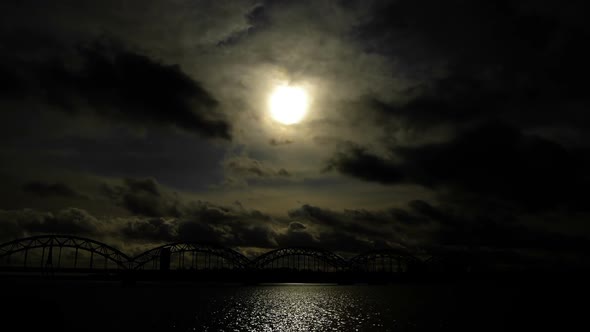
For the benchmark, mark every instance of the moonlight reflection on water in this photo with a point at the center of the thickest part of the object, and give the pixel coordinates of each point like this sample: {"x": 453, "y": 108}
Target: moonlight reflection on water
{"x": 296, "y": 308}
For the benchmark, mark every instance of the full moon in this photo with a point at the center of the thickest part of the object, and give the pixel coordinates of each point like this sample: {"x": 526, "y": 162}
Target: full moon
{"x": 288, "y": 104}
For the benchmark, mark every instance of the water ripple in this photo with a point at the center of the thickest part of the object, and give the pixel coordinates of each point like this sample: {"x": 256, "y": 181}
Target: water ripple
{"x": 292, "y": 308}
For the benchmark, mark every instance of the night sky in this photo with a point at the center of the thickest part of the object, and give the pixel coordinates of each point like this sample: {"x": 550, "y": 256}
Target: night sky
{"x": 431, "y": 125}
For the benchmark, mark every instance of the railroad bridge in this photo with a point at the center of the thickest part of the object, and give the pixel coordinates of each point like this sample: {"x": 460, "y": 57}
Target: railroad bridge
{"x": 72, "y": 254}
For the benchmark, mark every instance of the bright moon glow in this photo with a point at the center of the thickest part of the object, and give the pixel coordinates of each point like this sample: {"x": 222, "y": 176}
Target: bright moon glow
{"x": 288, "y": 104}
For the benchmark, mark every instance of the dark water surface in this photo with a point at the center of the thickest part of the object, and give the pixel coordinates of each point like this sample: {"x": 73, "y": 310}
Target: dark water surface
{"x": 466, "y": 306}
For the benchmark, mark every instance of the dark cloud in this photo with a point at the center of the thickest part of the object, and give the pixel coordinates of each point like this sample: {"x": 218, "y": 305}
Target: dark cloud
{"x": 227, "y": 234}
{"x": 257, "y": 19}
{"x": 11, "y": 85}
{"x": 147, "y": 185}
{"x": 9, "y": 227}
{"x": 26, "y": 222}
{"x": 118, "y": 84}
{"x": 67, "y": 221}
{"x": 491, "y": 160}
{"x": 458, "y": 229}
{"x": 253, "y": 169}
{"x": 296, "y": 226}
{"x": 329, "y": 238}
{"x": 198, "y": 221}
{"x": 226, "y": 225}
{"x": 355, "y": 228}
{"x": 43, "y": 189}
{"x": 342, "y": 241}
{"x": 247, "y": 168}
{"x": 150, "y": 230}
{"x": 142, "y": 197}
{"x": 488, "y": 32}
{"x": 492, "y": 119}
{"x": 360, "y": 163}
{"x": 276, "y": 142}
{"x": 297, "y": 235}
{"x": 453, "y": 100}
{"x": 424, "y": 228}
{"x": 297, "y": 238}
{"x": 351, "y": 230}
{"x": 314, "y": 214}
{"x": 516, "y": 61}
{"x": 283, "y": 172}
{"x": 260, "y": 236}
{"x": 199, "y": 232}
{"x": 404, "y": 216}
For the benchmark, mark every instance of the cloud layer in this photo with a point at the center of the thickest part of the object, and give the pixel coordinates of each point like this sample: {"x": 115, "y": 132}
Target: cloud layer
{"x": 432, "y": 125}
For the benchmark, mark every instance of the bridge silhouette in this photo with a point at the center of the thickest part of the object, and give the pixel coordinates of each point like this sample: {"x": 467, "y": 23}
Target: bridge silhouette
{"x": 64, "y": 255}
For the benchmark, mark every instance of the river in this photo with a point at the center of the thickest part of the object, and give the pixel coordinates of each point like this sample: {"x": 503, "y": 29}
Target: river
{"x": 108, "y": 306}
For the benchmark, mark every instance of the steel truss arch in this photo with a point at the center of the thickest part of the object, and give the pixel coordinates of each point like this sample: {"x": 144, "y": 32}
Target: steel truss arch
{"x": 65, "y": 241}
{"x": 363, "y": 261}
{"x": 231, "y": 255}
{"x": 267, "y": 258}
